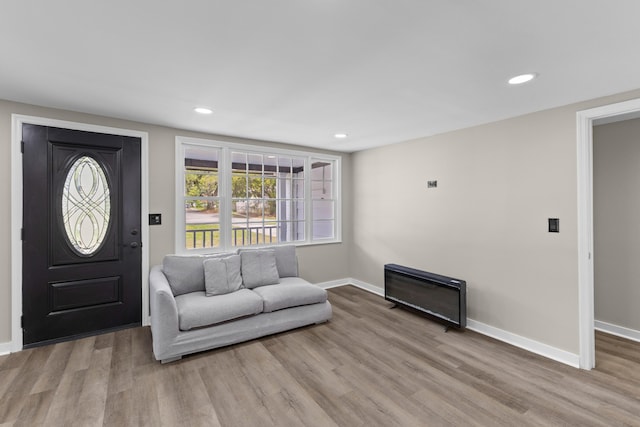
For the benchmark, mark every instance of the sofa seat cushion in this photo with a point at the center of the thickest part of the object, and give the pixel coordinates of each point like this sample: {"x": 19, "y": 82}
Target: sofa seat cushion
{"x": 290, "y": 293}
{"x": 195, "y": 309}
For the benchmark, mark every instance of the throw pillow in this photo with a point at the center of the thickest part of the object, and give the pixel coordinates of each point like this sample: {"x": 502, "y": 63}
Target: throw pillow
{"x": 286, "y": 260}
{"x": 184, "y": 273}
{"x": 222, "y": 275}
{"x": 259, "y": 268}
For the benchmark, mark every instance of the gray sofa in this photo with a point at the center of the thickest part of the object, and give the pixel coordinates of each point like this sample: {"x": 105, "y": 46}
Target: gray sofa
{"x": 204, "y": 302}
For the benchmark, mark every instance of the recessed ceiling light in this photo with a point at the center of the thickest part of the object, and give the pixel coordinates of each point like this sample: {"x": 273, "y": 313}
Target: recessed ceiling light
{"x": 202, "y": 110}
{"x": 340, "y": 135}
{"x": 522, "y": 78}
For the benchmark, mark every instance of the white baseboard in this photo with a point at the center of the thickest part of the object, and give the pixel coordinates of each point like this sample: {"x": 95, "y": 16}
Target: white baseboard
{"x": 533, "y": 346}
{"x": 354, "y": 282}
{"x": 536, "y": 347}
{"x": 5, "y": 348}
{"x": 367, "y": 286}
{"x": 333, "y": 283}
{"x": 619, "y": 331}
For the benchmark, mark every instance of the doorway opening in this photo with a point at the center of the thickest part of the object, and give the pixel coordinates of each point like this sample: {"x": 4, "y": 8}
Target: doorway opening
{"x": 585, "y": 121}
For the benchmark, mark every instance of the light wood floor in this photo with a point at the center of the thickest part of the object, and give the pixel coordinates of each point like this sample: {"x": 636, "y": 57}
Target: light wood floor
{"x": 369, "y": 366}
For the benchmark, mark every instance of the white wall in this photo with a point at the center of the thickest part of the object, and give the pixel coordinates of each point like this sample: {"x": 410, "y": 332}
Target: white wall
{"x": 616, "y": 178}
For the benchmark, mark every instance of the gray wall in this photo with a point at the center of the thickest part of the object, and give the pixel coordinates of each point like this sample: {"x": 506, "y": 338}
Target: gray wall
{"x": 616, "y": 217}
{"x": 318, "y": 263}
{"x": 486, "y": 222}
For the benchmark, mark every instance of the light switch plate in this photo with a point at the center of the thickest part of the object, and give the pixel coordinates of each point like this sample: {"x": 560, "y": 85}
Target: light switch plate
{"x": 155, "y": 219}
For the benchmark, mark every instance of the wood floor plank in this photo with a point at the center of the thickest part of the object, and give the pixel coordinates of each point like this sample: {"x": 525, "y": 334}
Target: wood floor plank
{"x": 63, "y": 406}
{"x": 54, "y": 368}
{"x": 81, "y": 355}
{"x": 369, "y": 366}
{"x": 183, "y": 398}
{"x": 91, "y": 402}
{"x": 35, "y": 409}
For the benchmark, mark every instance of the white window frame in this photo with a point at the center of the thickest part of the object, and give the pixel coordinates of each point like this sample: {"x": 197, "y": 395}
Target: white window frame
{"x": 224, "y": 183}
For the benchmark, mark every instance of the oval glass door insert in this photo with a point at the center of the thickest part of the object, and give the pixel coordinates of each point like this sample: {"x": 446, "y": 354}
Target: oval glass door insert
{"x": 86, "y": 206}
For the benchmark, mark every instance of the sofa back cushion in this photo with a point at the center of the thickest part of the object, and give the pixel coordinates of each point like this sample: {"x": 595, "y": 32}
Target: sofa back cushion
{"x": 286, "y": 259}
{"x": 222, "y": 275}
{"x": 259, "y": 268}
{"x": 185, "y": 273}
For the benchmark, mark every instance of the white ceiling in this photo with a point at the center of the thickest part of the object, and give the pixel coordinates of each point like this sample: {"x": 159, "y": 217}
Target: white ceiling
{"x": 298, "y": 71}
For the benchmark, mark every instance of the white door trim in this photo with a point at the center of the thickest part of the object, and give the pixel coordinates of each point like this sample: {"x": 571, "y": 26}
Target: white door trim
{"x": 585, "y": 121}
{"x": 16, "y": 211}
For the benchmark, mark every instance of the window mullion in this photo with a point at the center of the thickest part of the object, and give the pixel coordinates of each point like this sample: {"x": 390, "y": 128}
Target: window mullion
{"x": 224, "y": 171}
{"x": 180, "y": 234}
{"x": 308, "y": 198}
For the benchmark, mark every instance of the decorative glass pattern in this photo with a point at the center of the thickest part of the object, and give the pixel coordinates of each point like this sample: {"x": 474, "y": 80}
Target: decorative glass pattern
{"x": 86, "y": 205}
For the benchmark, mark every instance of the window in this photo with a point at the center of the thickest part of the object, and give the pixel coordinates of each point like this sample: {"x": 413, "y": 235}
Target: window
{"x": 239, "y": 195}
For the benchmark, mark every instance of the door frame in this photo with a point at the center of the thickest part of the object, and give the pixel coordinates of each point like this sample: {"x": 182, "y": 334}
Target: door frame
{"x": 17, "y": 120}
{"x": 586, "y": 119}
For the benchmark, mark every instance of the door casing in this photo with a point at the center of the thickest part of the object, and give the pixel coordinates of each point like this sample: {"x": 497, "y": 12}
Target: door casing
{"x": 17, "y": 120}
{"x": 585, "y": 121}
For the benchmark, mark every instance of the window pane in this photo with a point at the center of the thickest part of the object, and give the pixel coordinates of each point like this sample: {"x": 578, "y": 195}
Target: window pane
{"x": 284, "y": 167}
{"x": 290, "y": 231}
{"x": 201, "y": 158}
{"x": 239, "y": 209}
{"x": 321, "y": 189}
{"x": 298, "y": 210}
{"x": 255, "y": 186}
{"x": 323, "y": 229}
{"x": 202, "y": 223}
{"x": 201, "y": 172}
{"x": 200, "y": 236}
{"x": 290, "y": 210}
{"x": 239, "y": 162}
{"x": 86, "y": 205}
{"x": 256, "y": 210}
{"x": 320, "y": 170}
{"x": 270, "y": 209}
{"x": 299, "y": 230}
{"x": 270, "y": 187}
{"x": 239, "y": 185}
{"x": 298, "y": 189}
{"x": 200, "y": 184}
{"x": 254, "y": 163}
{"x": 323, "y": 209}
{"x": 200, "y": 210}
{"x": 298, "y": 167}
{"x": 254, "y": 234}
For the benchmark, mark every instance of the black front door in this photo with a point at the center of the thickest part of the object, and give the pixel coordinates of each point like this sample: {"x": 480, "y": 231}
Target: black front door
{"x": 81, "y": 249}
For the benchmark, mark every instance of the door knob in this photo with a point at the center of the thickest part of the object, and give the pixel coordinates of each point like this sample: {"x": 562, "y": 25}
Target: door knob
{"x": 134, "y": 245}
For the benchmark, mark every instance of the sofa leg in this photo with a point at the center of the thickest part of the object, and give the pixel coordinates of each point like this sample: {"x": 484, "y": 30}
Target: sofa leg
{"x": 171, "y": 359}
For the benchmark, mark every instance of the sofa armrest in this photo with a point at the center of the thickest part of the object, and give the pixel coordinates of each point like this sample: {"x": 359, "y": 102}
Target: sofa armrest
{"x": 164, "y": 311}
